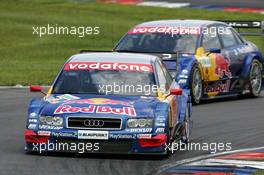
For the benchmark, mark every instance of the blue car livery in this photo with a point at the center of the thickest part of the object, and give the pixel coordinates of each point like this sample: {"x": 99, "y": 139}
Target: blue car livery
{"x": 208, "y": 57}
{"x": 110, "y": 103}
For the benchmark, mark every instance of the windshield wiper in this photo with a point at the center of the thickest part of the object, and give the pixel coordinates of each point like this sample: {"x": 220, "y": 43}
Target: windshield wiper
{"x": 133, "y": 51}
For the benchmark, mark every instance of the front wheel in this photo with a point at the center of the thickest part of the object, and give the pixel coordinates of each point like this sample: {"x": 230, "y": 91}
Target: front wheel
{"x": 196, "y": 85}
{"x": 255, "y": 78}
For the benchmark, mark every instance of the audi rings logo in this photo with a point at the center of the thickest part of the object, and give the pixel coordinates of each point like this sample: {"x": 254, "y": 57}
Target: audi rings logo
{"x": 93, "y": 123}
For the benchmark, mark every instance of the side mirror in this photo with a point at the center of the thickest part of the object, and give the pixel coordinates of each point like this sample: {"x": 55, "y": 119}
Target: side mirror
{"x": 215, "y": 50}
{"x": 36, "y": 88}
{"x": 176, "y": 92}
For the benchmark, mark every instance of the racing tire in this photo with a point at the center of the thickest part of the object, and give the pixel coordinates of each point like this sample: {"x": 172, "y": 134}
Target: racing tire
{"x": 187, "y": 128}
{"x": 255, "y": 78}
{"x": 196, "y": 85}
{"x": 168, "y": 152}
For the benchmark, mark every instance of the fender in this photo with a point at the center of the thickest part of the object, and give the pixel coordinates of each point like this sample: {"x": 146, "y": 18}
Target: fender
{"x": 247, "y": 62}
{"x": 35, "y": 106}
{"x": 162, "y": 112}
{"x": 184, "y": 71}
{"x": 184, "y": 101}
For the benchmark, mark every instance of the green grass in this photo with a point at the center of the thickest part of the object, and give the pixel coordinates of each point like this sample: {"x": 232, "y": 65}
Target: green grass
{"x": 259, "y": 173}
{"x": 28, "y": 59}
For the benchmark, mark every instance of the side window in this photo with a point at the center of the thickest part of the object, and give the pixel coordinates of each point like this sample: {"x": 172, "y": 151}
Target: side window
{"x": 128, "y": 43}
{"x": 238, "y": 38}
{"x": 211, "y": 39}
{"x": 166, "y": 73}
{"x": 228, "y": 38}
{"x": 161, "y": 78}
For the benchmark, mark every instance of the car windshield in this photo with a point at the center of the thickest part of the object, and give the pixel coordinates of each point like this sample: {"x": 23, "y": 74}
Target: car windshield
{"x": 158, "y": 43}
{"x": 97, "y": 81}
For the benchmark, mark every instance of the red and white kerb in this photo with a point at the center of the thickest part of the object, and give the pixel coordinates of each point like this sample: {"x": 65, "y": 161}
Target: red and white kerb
{"x": 108, "y": 66}
{"x": 169, "y": 30}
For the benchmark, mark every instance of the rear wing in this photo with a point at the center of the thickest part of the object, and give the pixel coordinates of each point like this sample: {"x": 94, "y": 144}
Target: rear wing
{"x": 250, "y": 28}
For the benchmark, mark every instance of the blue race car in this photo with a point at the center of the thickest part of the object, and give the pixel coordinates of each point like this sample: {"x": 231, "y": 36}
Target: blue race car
{"x": 109, "y": 103}
{"x": 212, "y": 59}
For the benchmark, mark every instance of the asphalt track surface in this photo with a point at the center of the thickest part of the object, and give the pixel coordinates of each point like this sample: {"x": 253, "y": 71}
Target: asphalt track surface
{"x": 239, "y": 121}
{"x": 225, "y": 3}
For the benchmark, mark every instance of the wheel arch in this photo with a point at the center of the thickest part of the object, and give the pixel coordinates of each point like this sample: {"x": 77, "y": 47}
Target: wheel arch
{"x": 188, "y": 65}
{"x": 185, "y": 103}
{"x": 247, "y": 63}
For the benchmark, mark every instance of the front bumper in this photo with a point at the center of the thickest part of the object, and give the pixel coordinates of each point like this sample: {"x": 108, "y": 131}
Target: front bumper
{"x": 118, "y": 142}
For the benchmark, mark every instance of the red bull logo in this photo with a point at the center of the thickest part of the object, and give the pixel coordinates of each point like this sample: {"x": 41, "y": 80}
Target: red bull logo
{"x": 66, "y": 109}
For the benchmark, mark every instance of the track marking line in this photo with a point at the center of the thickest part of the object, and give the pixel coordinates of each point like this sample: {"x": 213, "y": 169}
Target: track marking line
{"x": 164, "y": 167}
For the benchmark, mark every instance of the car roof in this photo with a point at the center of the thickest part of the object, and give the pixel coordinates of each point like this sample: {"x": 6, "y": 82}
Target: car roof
{"x": 113, "y": 57}
{"x": 179, "y": 23}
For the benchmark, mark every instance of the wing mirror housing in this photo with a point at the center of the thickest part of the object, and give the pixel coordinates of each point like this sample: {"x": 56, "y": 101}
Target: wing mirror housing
{"x": 36, "y": 88}
{"x": 215, "y": 50}
{"x": 175, "y": 91}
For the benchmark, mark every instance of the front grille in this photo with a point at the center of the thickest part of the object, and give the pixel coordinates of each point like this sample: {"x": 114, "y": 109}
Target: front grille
{"x": 94, "y": 123}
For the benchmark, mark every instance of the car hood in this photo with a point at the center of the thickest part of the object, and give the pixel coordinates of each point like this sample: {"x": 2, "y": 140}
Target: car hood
{"x": 99, "y": 105}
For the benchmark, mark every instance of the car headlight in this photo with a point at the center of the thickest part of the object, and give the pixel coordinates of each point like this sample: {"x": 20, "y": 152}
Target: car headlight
{"x": 139, "y": 123}
{"x": 51, "y": 120}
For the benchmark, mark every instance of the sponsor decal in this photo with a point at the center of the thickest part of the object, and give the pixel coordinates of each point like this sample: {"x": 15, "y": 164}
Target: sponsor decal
{"x": 160, "y": 130}
{"x": 183, "y": 76}
{"x": 222, "y": 67}
{"x": 33, "y": 115}
{"x": 166, "y": 29}
{"x": 32, "y": 126}
{"x": 182, "y": 81}
{"x": 160, "y": 124}
{"x": 144, "y": 136}
{"x": 67, "y": 97}
{"x": 160, "y": 119}
{"x": 44, "y": 133}
{"x": 246, "y": 91}
{"x": 205, "y": 62}
{"x": 50, "y": 127}
{"x": 108, "y": 66}
{"x": 139, "y": 130}
{"x": 244, "y": 50}
{"x": 218, "y": 87}
{"x": 58, "y": 99}
{"x": 146, "y": 97}
{"x": 185, "y": 71}
{"x": 95, "y": 135}
{"x": 64, "y": 109}
{"x": 64, "y": 134}
{"x": 32, "y": 120}
{"x": 122, "y": 136}
{"x": 52, "y": 100}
